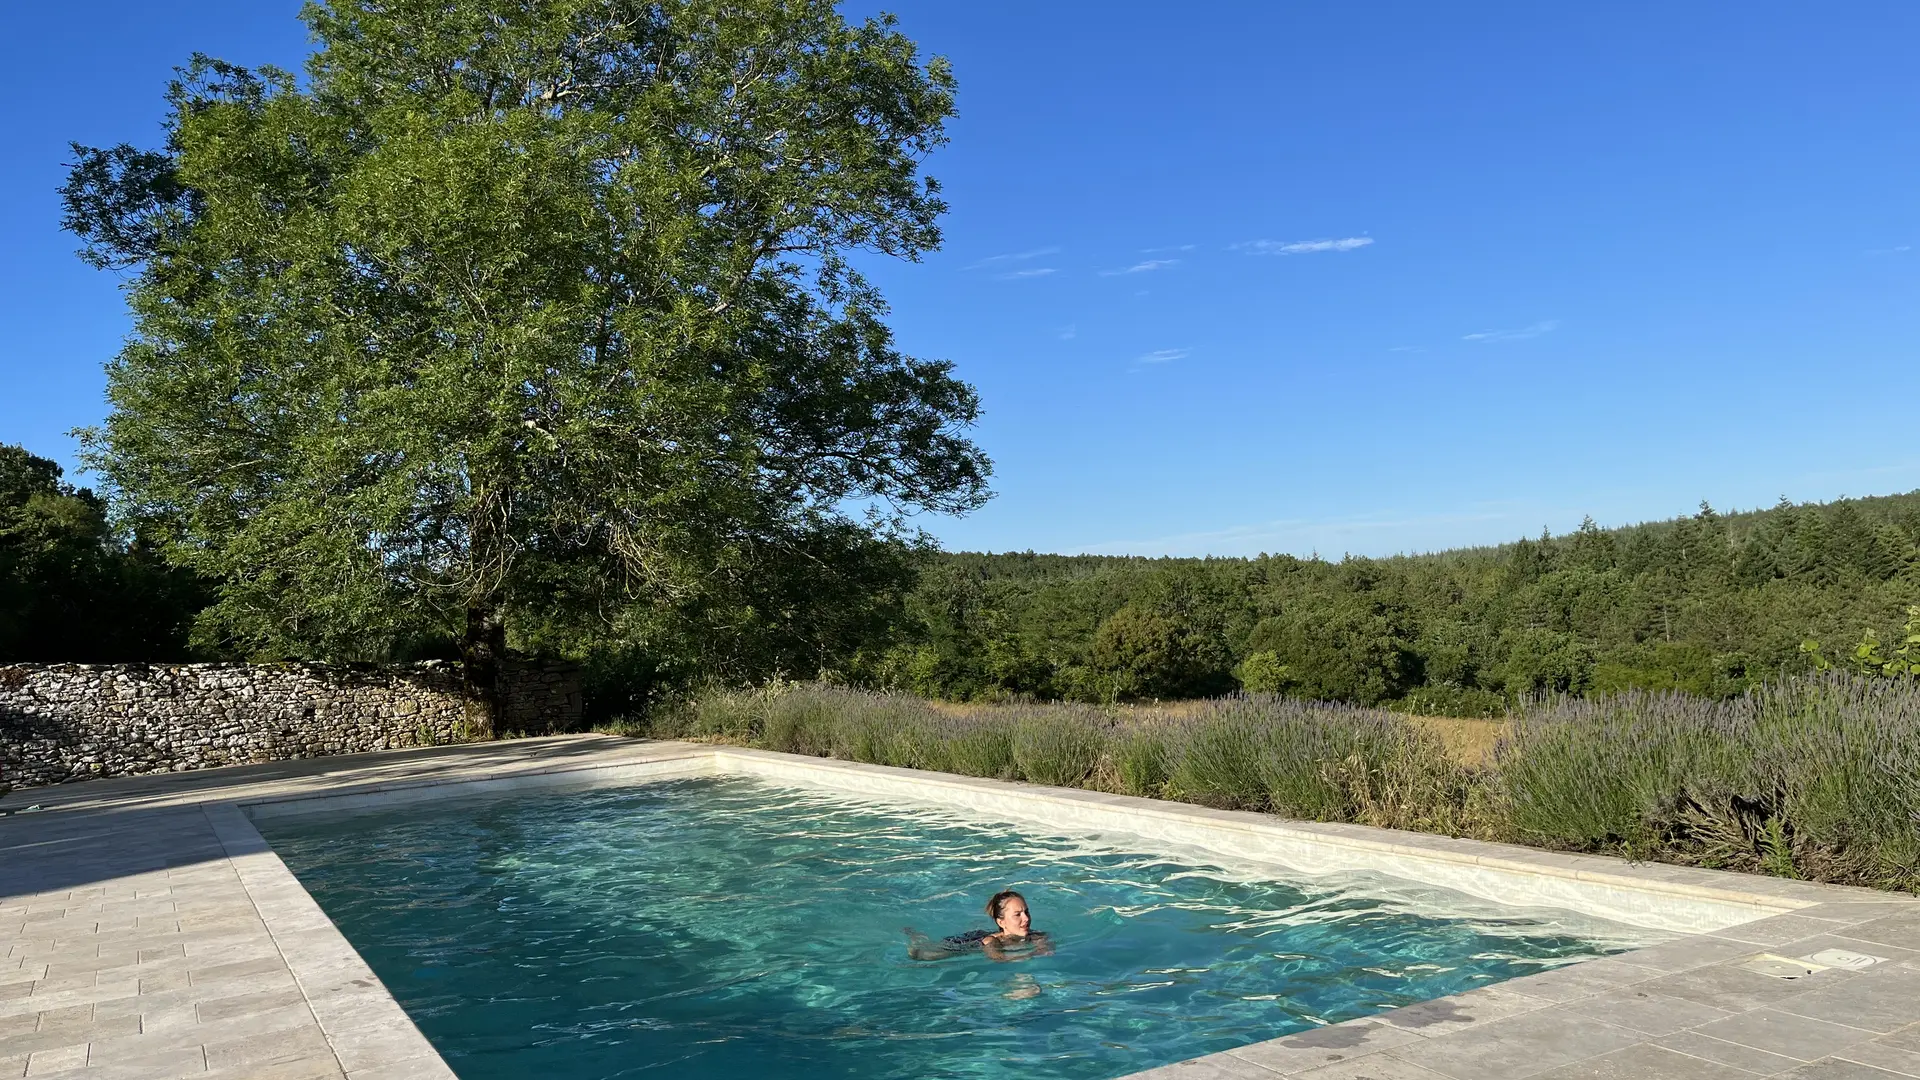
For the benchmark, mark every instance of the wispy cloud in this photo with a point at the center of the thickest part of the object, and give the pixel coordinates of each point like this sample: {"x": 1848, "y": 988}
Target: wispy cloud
{"x": 1163, "y": 356}
{"x": 1898, "y": 249}
{"x": 1012, "y": 257}
{"x": 1068, "y": 332}
{"x": 1037, "y": 271}
{"x": 1164, "y": 250}
{"x": 1408, "y": 348}
{"x": 1145, "y": 266}
{"x": 1301, "y": 247}
{"x": 1544, "y": 326}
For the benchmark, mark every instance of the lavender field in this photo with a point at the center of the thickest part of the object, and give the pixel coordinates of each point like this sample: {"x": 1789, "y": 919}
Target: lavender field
{"x": 1814, "y": 777}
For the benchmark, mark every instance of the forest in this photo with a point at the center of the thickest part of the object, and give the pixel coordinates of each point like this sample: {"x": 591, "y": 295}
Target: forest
{"x": 1711, "y": 604}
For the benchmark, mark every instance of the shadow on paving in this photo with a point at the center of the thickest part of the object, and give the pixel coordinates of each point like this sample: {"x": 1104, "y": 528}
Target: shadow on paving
{"x": 92, "y": 831}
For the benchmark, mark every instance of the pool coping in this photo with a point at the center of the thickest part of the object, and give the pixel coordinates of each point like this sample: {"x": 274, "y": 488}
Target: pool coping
{"x": 1592, "y": 1015}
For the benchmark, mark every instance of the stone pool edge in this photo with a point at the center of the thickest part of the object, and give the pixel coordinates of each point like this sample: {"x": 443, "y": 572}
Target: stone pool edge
{"x": 370, "y": 1034}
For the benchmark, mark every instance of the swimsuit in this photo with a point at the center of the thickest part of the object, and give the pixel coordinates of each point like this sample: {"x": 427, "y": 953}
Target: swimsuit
{"x": 969, "y": 940}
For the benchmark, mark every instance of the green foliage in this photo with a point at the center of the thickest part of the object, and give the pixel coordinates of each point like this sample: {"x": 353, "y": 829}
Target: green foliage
{"x": 1663, "y": 665}
{"x": 1263, "y": 672}
{"x": 1711, "y": 605}
{"x": 1869, "y": 658}
{"x": 70, "y": 589}
{"x": 535, "y": 326}
{"x": 1140, "y": 654}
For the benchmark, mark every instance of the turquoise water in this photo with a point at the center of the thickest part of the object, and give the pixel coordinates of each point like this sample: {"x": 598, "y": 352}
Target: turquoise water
{"x": 728, "y": 928}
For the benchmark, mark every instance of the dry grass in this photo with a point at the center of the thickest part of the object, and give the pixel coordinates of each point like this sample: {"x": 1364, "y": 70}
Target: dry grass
{"x": 1469, "y": 741}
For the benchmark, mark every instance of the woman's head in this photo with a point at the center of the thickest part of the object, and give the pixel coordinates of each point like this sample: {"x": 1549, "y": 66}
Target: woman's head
{"x": 1008, "y": 909}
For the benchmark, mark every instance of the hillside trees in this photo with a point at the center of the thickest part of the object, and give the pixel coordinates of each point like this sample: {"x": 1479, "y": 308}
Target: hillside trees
{"x": 1710, "y": 604}
{"x": 533, "y": 323}
{"x": 70, "y": 588}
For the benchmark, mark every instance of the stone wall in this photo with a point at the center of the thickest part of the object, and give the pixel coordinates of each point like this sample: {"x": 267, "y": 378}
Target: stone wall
{"x": 62, "y": 722}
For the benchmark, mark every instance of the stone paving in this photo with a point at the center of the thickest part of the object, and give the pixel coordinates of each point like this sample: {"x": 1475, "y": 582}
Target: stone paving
{"x": 146, "y": 931}
{"x": 1684, "y": 1010}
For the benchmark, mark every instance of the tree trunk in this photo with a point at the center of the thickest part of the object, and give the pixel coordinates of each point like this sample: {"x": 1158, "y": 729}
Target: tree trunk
{"x": 483, "y": 654}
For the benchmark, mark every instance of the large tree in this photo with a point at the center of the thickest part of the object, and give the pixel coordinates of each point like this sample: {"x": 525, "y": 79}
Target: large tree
{"x": 524, "y": 314}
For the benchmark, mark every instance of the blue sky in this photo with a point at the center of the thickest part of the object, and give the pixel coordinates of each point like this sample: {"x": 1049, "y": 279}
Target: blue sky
{"x": 1257, "y": 277}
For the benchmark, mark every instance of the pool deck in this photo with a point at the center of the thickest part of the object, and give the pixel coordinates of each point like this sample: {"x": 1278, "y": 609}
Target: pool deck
{"x": 147, "y": 931}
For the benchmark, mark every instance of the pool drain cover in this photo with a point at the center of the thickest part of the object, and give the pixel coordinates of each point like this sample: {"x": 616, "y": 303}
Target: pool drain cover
{"x": 1781, "y": 967}
{"x": 1841, "y": 958}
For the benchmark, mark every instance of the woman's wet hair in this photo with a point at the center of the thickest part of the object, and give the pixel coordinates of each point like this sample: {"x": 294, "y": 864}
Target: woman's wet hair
{"x": 1000, "y": 900}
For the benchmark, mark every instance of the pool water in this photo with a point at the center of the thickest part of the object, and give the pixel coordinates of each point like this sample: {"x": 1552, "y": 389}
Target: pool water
{"x": 730, "y": 928}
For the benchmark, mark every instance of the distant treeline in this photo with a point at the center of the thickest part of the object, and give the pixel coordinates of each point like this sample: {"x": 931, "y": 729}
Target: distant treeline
{"x": 1711, "y": 604}
{"x": 72, "y": 588}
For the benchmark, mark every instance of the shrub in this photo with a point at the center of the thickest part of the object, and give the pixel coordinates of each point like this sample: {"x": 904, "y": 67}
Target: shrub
{"x": 1142, "y": 757}
{"x": 728, "y": 715}
{"x": 1319, "y": 762}
{"x": 879, "y": 729}
{"x": 1612, "y": 770}
{"x": 1263, "y": 672}
{"x": 1058, "y": 745}
{"x": 979, "y": 747}
{"x": 799, "y": 724}
{"x": 1221, "y": 762}
{"x": 1844, "y": 758}
{"x": 1137, "y": 653}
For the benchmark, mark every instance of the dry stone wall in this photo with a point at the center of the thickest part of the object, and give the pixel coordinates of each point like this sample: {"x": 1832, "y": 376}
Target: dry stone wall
{"x": 61, "y": 722}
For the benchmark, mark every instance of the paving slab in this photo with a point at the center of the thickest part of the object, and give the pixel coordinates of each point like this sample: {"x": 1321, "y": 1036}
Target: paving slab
{"x": 1879, "y": 1055}
{"x": 147, "y": 931}
{"x": 1735, "y": 1055}
{"x": 1645, "y": 1061}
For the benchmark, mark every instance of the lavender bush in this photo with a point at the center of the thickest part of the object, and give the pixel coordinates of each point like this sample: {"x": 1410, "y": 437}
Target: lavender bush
{"x": 1809, "y": 777}
{"x": 1058, "y": 744}
{"x": 1141, "y": 758}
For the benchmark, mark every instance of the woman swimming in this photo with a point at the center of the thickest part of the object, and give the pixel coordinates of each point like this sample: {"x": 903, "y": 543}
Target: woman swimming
{"x": 1014, "y": 940}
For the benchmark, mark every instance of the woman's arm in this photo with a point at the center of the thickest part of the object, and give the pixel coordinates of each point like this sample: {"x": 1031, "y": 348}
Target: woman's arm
{"x": 991, "y": 946}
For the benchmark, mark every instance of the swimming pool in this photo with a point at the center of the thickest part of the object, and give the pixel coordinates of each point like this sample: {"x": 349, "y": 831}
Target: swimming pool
{"x": 732, "y": 928}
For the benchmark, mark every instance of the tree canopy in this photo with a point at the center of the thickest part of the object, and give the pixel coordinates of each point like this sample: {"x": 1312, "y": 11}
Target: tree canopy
{"x": 1710, "y": 604}
{"x": 70, "y": 588}
{"x": 531, "y": 321}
